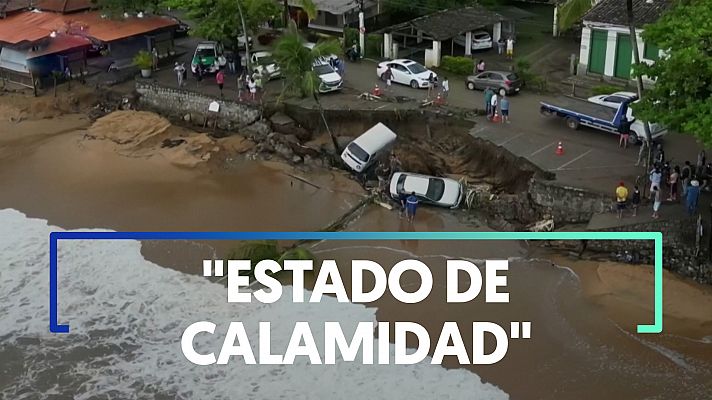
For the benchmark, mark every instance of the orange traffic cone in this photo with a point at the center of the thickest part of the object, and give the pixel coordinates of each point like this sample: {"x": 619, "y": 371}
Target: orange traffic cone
{"x": 496, "y": 117}
{"x": 560, "y": 149}
{"x": 376, "y": 91}
{"x": 439, "y": 100}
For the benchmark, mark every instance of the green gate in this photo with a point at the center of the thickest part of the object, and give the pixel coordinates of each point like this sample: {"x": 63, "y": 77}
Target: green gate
{"x": 597, "y": 55}
{"x": 623, "y": 57}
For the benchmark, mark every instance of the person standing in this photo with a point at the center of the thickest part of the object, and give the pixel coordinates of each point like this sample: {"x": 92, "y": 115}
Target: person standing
{"x": 655, "y": 194}
{"x": 488, "y": 101}
{"x": 621, "y": 198}
{"x": 431, "y": 84}
{"x": 656, "y": 177}
{"x": 493, "y": 105}
{"x": 673, "y": 182}
{"x": 154, "y": 58}
{"x": 480, "y": 67}
{"x": 387, "y": 76}
{"x": 180, "y": 73}
{"x": 411, "y": 204}
{"x": 685, "y": 176}
{"x": 701, "y": 158}
{"x": 403, "y": 198}
{"x": 252, "y": 87}
{"x": 635, "y": 200}
{"x": 220, "y": 80}
{"x": 500, "y": 46}
{"x": 693, "y": 194}
{"x": 504, "y": 107}
{"x": 624, "y": 133}
{"x": 446, "y": 88}
{"x": 510, "y": 47}
{"x": 230, "y": 56}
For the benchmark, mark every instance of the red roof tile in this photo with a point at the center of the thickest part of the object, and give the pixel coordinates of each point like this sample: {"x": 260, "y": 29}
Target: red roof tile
{"x": 59, "y": 44}
{"x": 33, "y": 26}
{"x": 63, "y": 6}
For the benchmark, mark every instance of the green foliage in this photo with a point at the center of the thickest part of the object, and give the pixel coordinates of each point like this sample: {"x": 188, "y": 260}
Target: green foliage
{"x": 143, "y": 60}
{"x": 374, "y": 45}
{"x": 220, "y": 19}
{"x": 458, "y": 65}
{"x": 256, "y": 251}
{"x": 350, "y": 36}
{"x": 572, "y": 11}
{"x": 538, "y": 83}
{"x": 409, "y": 8}
{"x": 604, "y": 89}
{"x": 682, "y": 96}
{"x": 296, "y": 61}
{"x": 522, "y": 67}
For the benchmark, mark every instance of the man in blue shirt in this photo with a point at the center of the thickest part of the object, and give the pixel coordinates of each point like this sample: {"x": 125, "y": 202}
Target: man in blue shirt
{"x": 411, "y": 205}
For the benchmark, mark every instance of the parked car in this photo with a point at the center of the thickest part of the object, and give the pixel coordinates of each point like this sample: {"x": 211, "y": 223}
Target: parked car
{"x": 263, "y": 62}
{"x": 406, "y": 72}
{"x": 503, "y": 82}
{"x": 212, "y": 56}
{"x": 481, "y": 40}
{"x": 362, "y": 151}
{"x": 443, "y": 192}
{"x": 614, "y": 100}
{"x": 330, "y": 79}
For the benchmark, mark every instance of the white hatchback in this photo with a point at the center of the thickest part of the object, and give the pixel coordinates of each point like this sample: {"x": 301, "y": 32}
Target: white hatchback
{"x": 406, "y": 72}
{"x": 481, "y": 40}
{"x": 443, "y": 192}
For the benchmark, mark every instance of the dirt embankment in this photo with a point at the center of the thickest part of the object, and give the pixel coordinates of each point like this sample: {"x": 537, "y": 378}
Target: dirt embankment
{"x": 16, "y": 107}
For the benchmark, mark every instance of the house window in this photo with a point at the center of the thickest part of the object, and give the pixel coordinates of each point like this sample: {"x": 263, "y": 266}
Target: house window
{"x": 651, "y": 52}
{"x": 331, "y": 19}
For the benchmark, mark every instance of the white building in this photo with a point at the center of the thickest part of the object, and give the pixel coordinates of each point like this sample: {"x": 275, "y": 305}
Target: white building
{"x": 605, "y": 38}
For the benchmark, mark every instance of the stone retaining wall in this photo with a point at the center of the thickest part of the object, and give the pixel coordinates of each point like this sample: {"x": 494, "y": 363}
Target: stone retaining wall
{"x": 181, "y": 103}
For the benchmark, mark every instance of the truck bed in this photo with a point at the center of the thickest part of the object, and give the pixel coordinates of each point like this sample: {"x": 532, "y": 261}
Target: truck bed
{"x": 583, "y": 106}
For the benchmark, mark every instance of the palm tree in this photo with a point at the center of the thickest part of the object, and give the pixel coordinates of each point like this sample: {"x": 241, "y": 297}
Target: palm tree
{"x": 572, "y": 11}
{"x": 256, "y": 251}
{"x": 296, "y": 62}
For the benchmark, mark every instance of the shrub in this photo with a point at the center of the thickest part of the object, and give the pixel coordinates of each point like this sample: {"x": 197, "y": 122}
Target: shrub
{"x": 143, "y": 60}
{"x": 604, "y": 89}
{"x": 458, "y": 65}
{"x": 374, "y": 44}
{"x": 350, "y": 36}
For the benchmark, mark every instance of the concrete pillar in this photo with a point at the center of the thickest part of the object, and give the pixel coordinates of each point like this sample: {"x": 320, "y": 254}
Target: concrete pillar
{"x": 496, "y": 32}
{"x": 584, "y": 50}
{"x": 437, "y": 50}
{"x": 468, "y": 43}
{"x": 394, "y": 52}
{"x": 555, "y": 28}
{"x": 610, "y": 53}
{"x": 387, "y": 45}
{"x": 420, "y": 36}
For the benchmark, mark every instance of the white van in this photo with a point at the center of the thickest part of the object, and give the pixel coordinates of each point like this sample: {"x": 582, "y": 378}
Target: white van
{"x": 361, "y": 152}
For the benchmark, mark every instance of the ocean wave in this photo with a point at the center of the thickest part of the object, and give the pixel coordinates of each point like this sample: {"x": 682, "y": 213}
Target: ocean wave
{"x": 127, "y": 314}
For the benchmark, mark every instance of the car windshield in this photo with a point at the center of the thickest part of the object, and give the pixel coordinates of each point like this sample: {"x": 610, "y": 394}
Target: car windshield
{"x": 400, "y": 184}
{"x": 482, "y": 36}
{"x": 266, "y": 60}
{"x": 436, "y": 188}
{"x": 358, "y": 152}
{"x": 205, "y": 52}
{"x": 416, "y": 68}
{"x": 323, "y": 69}
{"x": 512, "y": 77}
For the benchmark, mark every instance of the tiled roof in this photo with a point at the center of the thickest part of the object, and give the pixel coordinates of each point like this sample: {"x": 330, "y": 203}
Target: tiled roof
{"x": 8, "y": 6}
{"x": 614, "y": 12}
{"x": 33, "y": 26}
{"x": 59, "y": 44}
{"x": 446, "y": 24}
{"x": 63, "y": 6}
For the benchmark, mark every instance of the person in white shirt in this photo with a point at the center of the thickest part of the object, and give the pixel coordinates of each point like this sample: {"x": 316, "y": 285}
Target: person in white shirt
{"x": 446, "y": 87}
{"x": 493, "y": 105}
{"x": 179, "y": 70}
{"x": 510, "y": 47}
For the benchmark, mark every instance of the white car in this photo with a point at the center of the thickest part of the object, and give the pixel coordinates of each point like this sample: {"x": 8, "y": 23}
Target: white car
{"x": 330, "y": 79}
{"x": 481, "y": 40}
{"x": 614, "y": 100}
{"x": 443, "y": 192}
{"x": 406, "y": 72}
{"x": 264, "y": 63}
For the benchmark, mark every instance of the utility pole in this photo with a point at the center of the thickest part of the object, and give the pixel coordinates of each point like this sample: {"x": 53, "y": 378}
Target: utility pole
{"x": 361, "y": 30}
{"x": 247, "y": 38}
{"x": 639, "y": 81}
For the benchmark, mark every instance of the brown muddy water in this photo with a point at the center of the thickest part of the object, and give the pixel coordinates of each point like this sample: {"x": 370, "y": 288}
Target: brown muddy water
{"x": 583, "y": 314}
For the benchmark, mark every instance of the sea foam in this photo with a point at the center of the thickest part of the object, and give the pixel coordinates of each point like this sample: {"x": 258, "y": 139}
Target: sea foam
{"x": 127, "y": 315}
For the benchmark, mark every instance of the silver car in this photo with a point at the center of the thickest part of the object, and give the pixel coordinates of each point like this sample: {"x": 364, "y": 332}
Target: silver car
{"x": 504, "y": 82}
{"x": 443, "y": 192}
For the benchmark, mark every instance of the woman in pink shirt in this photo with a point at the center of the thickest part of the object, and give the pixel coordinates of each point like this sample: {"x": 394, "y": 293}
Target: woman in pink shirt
{"x": 220, "y": 79}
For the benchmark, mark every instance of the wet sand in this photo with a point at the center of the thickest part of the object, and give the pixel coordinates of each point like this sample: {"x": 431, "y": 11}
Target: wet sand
{"x": 583, "y": 346}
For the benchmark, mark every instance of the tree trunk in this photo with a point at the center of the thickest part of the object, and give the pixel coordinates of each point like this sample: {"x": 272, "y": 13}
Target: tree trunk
{"x": 326, "y": 124}
{"x": 285, "y": 13}
{"x": 639, "y": 82}
{"x": 55, "y": 86}
{"x": 247, "y": 38}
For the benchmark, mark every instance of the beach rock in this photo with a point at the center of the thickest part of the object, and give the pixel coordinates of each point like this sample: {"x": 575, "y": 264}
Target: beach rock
{"x": 259, "y": 129}
{"x": 284, "y": 151}
{"x": 281, "y": 119}
{"x": 296, "y": 159}
{"x": 187, "y": 117}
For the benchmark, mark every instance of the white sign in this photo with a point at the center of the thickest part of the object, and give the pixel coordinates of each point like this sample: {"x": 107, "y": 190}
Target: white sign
{"x": 214, "y": 107}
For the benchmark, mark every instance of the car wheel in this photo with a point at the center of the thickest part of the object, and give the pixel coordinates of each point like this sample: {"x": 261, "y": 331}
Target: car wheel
{"x": 633, "y": 138}
{"x": 502, "y": 91}
{"x": 471, "y": 85}
{"x": 414, "y": 84}
{"x": 572, "y": 122}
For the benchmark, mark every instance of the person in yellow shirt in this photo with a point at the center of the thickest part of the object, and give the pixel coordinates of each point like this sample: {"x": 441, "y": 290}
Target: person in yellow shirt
{"x": 621, "y": 198}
